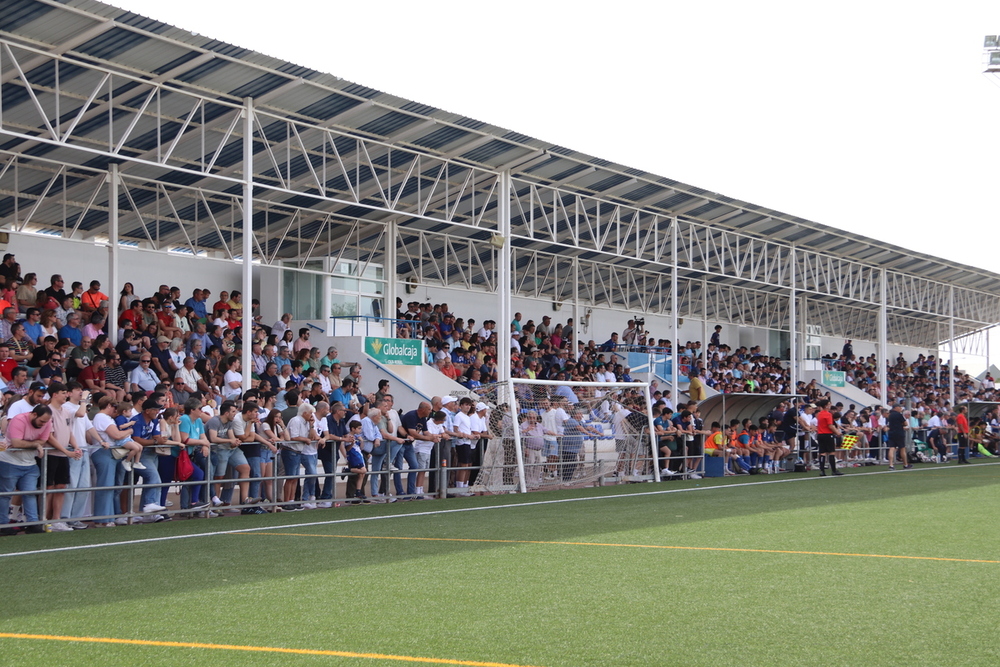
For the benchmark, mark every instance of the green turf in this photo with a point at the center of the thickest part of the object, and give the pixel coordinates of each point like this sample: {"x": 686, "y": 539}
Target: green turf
{"x": 545, "y": 604}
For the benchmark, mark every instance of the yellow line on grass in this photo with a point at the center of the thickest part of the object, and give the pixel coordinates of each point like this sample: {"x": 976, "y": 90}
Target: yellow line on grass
{"x": 256, "y": 649}
{"x": 631, "y": 546}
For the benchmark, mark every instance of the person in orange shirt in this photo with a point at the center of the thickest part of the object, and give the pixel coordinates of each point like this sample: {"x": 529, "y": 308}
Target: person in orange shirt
{"x": 962, "y": 426}
{"x": 92, "y": 298}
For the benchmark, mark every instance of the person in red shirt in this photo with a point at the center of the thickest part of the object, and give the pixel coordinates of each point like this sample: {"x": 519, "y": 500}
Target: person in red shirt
{"x": 962, "y": 426}
{"x": 7, "y": 364}
{"x": 826, "y": 432}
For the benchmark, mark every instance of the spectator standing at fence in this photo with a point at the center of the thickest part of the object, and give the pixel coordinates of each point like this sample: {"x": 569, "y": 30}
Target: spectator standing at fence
{"x": 64, "y": 448}
{"x": 962, "y": 427}
{"x": 896, "y": 432}
{"x": 826, "y": 430}
{"x": 27, "y": 435}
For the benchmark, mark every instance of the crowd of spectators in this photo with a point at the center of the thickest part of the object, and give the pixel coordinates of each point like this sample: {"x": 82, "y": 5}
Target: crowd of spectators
{"x": 164, "y": 401}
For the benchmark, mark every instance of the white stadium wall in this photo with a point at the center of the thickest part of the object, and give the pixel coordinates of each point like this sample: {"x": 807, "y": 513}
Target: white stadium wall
{"x": 145, "y": 269}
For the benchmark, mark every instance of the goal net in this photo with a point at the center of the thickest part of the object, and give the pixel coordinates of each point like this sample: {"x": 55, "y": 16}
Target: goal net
{"x": 545, "y": 434}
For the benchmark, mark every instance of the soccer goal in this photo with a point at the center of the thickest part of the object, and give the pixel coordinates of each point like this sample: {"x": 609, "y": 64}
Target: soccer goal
{"x": 546, "y": 434}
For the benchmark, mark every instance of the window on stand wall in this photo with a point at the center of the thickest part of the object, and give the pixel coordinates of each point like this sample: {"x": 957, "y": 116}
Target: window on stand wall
{"x": 356, "y": 295}
{"x": 303, "y": 292}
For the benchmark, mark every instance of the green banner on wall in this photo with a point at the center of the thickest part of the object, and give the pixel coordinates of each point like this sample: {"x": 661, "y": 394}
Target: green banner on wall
{"x": 397, "y": 351}
{"x": 835, "y": 378}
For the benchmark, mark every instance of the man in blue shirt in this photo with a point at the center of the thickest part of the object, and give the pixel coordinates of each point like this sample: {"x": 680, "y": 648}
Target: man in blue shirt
{"x": 146, "y": 432}
{"x": 72, "y": 330}
{"x": 197, "y": 305}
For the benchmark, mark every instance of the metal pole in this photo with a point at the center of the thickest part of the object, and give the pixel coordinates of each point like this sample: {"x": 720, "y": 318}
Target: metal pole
{"x": 803, "y": 315}
{"x": 515, "y": 410}
{"x": 883, "y": 338}
{"x": 652, "y": 434}
{"x": 793, "y": 333}
{"x": 114, "y": 180}
{"x": 704, "y": 322}
{"x": 576, "y": 310}
{"x": 503, "y": 277}
{"x": 389, "y": 273}
{"x": 247, "y": 335}
{"x": 951, "y": 346}
{"x": 675, "y": 357}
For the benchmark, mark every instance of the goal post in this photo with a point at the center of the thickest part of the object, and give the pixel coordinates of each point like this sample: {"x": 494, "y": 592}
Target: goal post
{"x": 546, "y": 434}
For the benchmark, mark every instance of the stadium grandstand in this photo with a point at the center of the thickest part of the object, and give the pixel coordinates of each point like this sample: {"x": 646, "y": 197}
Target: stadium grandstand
{"x": 219, "y": 226}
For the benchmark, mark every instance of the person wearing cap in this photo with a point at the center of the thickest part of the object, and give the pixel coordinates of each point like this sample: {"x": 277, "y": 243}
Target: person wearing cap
{"x": 169, "y": 326}
{"x": 146, "y": 432}
{"x": 160, "y": 358}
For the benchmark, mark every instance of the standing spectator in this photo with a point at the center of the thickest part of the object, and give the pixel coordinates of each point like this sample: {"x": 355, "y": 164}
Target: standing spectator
{"x": 826, "y": 429}
{"x": 27, "y": 435}
{"x": 896, "y": 432}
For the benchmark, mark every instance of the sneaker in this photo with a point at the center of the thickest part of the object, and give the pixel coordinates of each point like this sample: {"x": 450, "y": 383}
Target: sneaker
{"x": 907, "y": 467}
{"x": 34, "y": 529}
{"x": 208, "y": 515}
{"x": 216, "y": 501}
{"x": 77, "y": 525}
{"x": 200, "y": 508}
{"x": 169, "y": 503}
{"x": 137, "y": 465}
{"x": 694, "y": 475}
{"x": 667, "y": 472}
{"x": 127, "y": 465}
{"x": 837, "y": 473}
{"x": 104, "y": 525}
{"x": 121, "y": 521}
{"x": 59, "y": 527}
{"x": 157, "y": 518}
{"x": 325, "y": 505}
{"x": 892, "y": 467}
{"x": 153, "y": 507}
{"x": 308, "y": 506}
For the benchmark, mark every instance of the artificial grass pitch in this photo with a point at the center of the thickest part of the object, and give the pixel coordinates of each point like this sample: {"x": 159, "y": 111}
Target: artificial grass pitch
{"x": 886, "y": 569}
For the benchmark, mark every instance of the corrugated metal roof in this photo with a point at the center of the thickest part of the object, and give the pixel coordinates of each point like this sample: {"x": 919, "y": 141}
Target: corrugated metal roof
{"x": 145, "y": 47}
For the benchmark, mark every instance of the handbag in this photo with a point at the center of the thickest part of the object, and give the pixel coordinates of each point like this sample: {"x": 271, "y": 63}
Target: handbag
{"x": 184, "y": 468}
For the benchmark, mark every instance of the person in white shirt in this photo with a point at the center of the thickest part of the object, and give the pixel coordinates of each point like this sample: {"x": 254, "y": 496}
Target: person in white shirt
{"x": 233, "y": 382}
{"x": 464, "y": 442}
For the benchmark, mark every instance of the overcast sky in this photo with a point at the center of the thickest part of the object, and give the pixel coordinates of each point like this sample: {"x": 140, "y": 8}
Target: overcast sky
{"x": 874, "y": 117}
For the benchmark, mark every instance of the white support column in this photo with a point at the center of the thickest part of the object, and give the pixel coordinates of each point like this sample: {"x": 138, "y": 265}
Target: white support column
{"x": 389, "y": 273}
{"x": 883, "y": 338}
{"x": 951, "y": 346}
{"x": 793, "y": 334}
{"x": 247, "y": 241}
{"x": 675, "y": 358}
{"x": 503, "y": 278}
{"x": 114, "y": 181}
{"x": 576, "y": 309}
{"x": 803, "y": 316}
{"x": 704, "y": 323}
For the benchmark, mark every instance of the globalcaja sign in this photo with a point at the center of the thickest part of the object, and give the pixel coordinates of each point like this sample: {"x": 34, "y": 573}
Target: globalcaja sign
{"x": 835, "y": 378}
{"x": 397, "y": 351}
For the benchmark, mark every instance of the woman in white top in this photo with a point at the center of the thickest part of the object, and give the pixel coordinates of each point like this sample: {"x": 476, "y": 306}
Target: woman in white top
{"x": 105, "y": 465}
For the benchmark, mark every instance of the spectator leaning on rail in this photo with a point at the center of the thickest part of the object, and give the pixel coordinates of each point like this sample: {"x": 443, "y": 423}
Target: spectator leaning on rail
{"x": 27, "y": 436}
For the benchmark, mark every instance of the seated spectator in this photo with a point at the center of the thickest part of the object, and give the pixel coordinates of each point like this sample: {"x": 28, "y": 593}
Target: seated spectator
{"x": 92, "y": 298}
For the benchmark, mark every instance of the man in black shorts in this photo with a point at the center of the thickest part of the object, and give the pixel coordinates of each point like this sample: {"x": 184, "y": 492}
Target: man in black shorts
{"x": 826, "y": 432}
{"x": 897, "y": 436}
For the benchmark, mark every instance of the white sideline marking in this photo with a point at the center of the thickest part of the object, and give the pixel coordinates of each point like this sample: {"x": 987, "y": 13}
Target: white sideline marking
{"x": 461, "y": 509}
